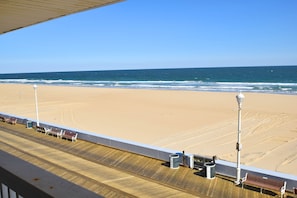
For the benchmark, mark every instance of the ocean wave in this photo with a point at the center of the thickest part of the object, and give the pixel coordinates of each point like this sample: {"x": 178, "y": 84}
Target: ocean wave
{"x": 264, "y": 87}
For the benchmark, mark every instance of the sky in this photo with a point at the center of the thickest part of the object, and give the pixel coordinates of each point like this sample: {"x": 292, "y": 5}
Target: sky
{"x": 145, "y": 34}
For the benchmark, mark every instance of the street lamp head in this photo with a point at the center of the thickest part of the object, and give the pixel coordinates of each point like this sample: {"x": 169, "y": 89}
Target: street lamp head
{"x": 240, "y": 98}
{"x": 35, "y": 86}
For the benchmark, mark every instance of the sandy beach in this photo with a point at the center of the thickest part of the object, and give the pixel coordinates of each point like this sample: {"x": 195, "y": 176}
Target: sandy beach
{"x": 203, "y": 123}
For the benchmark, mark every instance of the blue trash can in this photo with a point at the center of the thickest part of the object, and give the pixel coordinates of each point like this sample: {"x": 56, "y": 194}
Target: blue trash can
{"x": 29, "y": 124}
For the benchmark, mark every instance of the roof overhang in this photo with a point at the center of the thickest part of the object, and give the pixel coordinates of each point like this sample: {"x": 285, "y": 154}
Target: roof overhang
{"x": 16, "y": 14}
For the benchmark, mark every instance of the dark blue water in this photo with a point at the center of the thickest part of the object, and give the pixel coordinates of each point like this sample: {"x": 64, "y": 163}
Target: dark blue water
{"x": 277, "y": 79}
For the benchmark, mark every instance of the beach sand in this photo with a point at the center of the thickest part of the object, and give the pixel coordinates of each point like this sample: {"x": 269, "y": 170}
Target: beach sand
{"x": 203, "y": 123}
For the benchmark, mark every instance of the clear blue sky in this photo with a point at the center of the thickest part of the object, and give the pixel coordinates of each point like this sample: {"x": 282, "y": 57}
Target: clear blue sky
{"x": 158, "y": 34}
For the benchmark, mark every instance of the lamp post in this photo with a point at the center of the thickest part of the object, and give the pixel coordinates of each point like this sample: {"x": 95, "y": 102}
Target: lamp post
{"x": 239, "y": 99}
{"x": 36, "y": 104}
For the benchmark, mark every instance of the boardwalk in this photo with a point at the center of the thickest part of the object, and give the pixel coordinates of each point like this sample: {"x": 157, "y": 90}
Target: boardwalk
{"x": 110, "y": 172}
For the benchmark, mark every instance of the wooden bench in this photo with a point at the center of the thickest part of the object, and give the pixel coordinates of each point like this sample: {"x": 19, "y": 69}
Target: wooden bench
{"x": 2, "y": 118}
{"x": 11, "y": 120}
{"x": 70, "y": 135}
{"x": 55, "y": 132}
{"x": 42, "y": 129}
{"x": 264, "y": 182}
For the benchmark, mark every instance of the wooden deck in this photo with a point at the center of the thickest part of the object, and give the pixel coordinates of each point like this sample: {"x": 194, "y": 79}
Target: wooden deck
{"x": 110, "y": 172}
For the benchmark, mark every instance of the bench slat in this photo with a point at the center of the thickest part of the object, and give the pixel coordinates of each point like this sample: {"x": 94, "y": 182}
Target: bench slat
{"x": 56, "y": 132}
{"x": 264, "y": 182}
{"x": 70, "y": 135}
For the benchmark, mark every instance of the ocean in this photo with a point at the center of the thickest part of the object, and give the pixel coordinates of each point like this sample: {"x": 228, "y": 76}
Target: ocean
{"x": 268, "y": 79}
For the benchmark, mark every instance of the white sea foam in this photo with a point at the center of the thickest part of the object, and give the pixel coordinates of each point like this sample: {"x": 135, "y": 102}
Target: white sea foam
{"x": 283, "y": 88}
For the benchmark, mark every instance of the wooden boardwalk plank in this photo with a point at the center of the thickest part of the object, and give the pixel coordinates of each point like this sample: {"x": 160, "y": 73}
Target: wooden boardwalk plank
{"x": 131, "y": 185}
{"x": 98, "y": 167}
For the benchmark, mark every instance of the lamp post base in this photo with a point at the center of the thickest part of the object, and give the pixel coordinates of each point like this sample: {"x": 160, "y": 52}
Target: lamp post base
{"x": 237, "y": 183}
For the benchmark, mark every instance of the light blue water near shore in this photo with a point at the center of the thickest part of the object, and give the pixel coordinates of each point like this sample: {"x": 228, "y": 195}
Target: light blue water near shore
{"x": 269, "y": 79}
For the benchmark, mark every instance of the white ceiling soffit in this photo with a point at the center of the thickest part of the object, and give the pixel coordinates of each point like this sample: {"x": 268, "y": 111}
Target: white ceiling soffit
{"x": 16, "y": 14}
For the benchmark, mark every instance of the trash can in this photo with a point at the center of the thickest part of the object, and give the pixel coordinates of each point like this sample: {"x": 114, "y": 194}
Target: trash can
{"x": 210, "y": 171}
{"x": 174, "y": 161}
{"x": 191, "y": 161}
{"x": 29, "y": 124}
